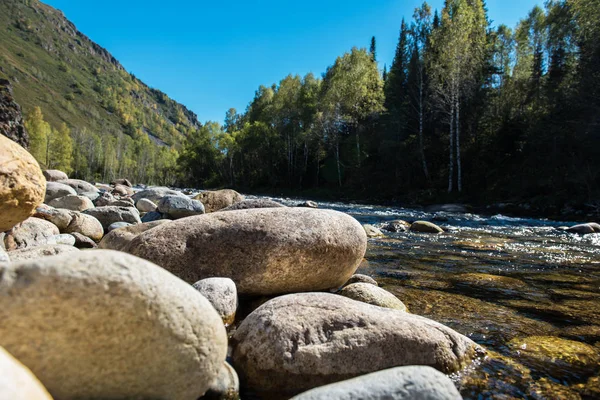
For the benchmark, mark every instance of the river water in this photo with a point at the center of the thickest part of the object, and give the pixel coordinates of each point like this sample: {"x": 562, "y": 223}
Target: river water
{"x": 526, "y": 291}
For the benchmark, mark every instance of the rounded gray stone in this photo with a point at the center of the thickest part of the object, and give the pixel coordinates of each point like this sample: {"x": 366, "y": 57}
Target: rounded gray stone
{"x": 264, "y": 251}
{"x": 145, "y": 205}
{"x": 254, "y": 203}
{"x": 101, "y": 324}
{"x": 297, "y": 342}
{"x": 54, "y": 190}
{"x": 154, "y": 194}
{"x": 41, "y": 251}
{"x": 222, "y": 294}
{"x": 372, "y": 231}
{"x": 117, "y": 225}
{"x": 53, "y": 175}
{"x": 30, "y": 233}
{"x": 118, "y": 239}
{"x": 108, "y": 215}
{"x": 86, "y": 225}
{"x": 214, "y": 200}
{"x": 72, "y": 202}
{"x": 400, "y": 383}
{"x": 177, "y": 207}
{"x": 152, "y": 216}
{"x": 81, "y": 187}
{"x": 361, "y": 278}
{"x": 371, "y": 294}
{"x": 425, "y": 227}
{"x": 226, "y": 386}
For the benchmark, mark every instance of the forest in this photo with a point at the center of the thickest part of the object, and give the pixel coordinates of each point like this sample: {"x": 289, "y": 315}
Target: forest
{"x": 466, "y": 112}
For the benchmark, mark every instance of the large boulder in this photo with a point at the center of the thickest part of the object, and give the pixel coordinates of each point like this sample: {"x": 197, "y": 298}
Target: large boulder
{"x": 86, "y": 225}
{"x": 265, "y": 251}
{"x": 11, "y": 118}
{"x": 105, "y": 325}
{"x": 372, "y": 231}
{"x": 17, "y": 382}
{"x": 118, "y": 239}
{"x": 41, "y": 251}
{"x": 55, "y": 190}
{"x": 177, "y": 207}
{"x": 301, "y": 341}
{"x": 30, "y": 233}
{"x": 371, "y": 294}
{"x": 53, "y": 175}
{"x": 252, "y": 203}
{"x": 110, "y": 214}
{"x": 400, "y": 383}
{"x": 22, "y": 185}
{"x": 154, "y": 194}
{"x": 218, "y": 199}
{"x": 81, "y": 187}
{"x": 425, "y": 227}
{"x": 59, "y": 217}
{"x": 145, "y": 205}
{"x": 584, "y": 229}
{"x": 72, "y": 202}
{"x": 222, "y": 294}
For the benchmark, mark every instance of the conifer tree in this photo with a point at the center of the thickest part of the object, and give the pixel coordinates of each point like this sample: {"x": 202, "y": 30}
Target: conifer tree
{"x": 39, "y": 131}
{"x": 373, "y": 49}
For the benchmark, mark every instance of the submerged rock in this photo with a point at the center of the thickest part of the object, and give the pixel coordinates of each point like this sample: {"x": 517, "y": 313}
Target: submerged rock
{"x": 22, "y": 185}
{"x": 371, "y": 294}
{"x": 17, "y": 382}
{"x": 397, "y": 225}
{"x": 217, "y": 199}
{"x": 265, "y": 251}
{"x": 107, "y": 325}
{"x": 425, "y": 227}
{"x": 400, "y": 383}
{"x": 301, "y": 341}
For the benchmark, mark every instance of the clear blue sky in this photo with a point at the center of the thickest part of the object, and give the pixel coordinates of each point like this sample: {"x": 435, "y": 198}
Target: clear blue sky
{"x": 213, "y": 55}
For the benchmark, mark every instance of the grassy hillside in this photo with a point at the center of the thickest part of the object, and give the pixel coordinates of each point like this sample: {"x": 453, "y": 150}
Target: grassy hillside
{"x": 54, "y": 66}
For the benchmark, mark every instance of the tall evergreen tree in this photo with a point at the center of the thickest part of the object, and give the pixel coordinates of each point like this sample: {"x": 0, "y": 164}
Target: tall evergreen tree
{"x": 373, "y": 49}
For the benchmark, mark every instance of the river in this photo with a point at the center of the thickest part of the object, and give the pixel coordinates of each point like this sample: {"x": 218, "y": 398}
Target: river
{"x": 526, "y": 291}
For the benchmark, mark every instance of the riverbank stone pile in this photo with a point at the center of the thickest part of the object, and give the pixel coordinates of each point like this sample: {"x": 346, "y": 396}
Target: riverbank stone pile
{"x": 118, "y": 291}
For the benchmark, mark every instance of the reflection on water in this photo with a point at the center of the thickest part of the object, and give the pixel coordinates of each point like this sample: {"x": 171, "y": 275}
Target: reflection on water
{"x": 525, "y": 290}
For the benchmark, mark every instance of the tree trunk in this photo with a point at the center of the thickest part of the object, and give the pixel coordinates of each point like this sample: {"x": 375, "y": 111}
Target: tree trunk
{"x": 421, "y": 146}
{"x": 451, "y": 147}
{"x": 357, "y": 147}
{"x": 337, "y": 159}
{"x": 457, "y": 130}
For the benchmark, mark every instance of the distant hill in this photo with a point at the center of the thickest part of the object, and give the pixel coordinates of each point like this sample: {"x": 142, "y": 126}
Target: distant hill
{"x": 73, "y": 80}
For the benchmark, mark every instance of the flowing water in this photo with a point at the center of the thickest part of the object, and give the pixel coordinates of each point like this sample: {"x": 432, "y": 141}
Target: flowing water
{"x": 526, "y": 291}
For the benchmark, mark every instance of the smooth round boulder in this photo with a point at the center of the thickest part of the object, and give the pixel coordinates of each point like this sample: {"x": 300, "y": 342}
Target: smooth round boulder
{"x": 265, "y": 251}
{"x": 55, "y": 190}
{"x": 122, "y": 190}
{"x": 86, "y": 225}
{"x": 361, "y": 278}
{"x": 30, "y": 233}
{"x": 118, "y": 239}
{"x": 371, "y": 294}
{"x": 108, "y": 215}
{"x": 60, "y": 218}
{"x": 22, "y": 184}
{"x": 584, "y": 229}
{"x": 145, "y": 205}
{"x": 425, "y": 227}
{"x": 215, "y": 200}
{"x": 72, "y": 202}
{"x": 81, "y": 187}
{"x": 101, "y": 324}
{"x": 222, "y": 294}
{"x": 17, "y": 382}
{"x": 297, "y": 342}
{"x": 400, "y": 383}
{"x": 253, "y": 203}
{"x": 53, "y": 175}
{"x": 41, "y": 251}
{"x": 154, "y": 194}
{"x": 177, "y": 207}
{"x": 373, "y": 232}
{"x": 65, "y": 239}
{"x": 117, "y": 225}
{"x": 226, "y": 385}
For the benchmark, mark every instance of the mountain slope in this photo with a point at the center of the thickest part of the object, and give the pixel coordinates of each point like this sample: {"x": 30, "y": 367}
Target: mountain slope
{"x": 73, "y": 80}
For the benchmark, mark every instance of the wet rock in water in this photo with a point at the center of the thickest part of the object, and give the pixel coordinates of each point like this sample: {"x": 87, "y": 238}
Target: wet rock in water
{"x": 584, "y": 229}
{"x": 81, "y": 187}
{"x": 30, "y": 233}
{"x": 425, "y": 227}
{"x": 545, "y": 388}
{"x": 145, "y": 205}
{"x": 397, "y": 225}
{"x": 222, "y": 294}
{"x": 226, "y": 386}
{"x": 154, "y": 194}
{"x": 400, "y": 383}
{"x": 83, "y": 242}
{"x": 218, "y": 199}
{"x": 177, "y": 207}
{"x": 254, "y": 203}
{"x": 122, "y": 190}
{"x": 265, "y": 251}
{"x": 118, "y": 239}
{"x": 72, "y": 202}
{"x": 22, "y": 184}
{"x": 108, "y": 215}
{"x": 53, "y": 175}
{"x": 55, "y": 190}
{"x": 17, "y": 382}
{"x": 451, "y": 208}
{"x": 60, "y": 218}
{"x": 117, "y": 225}
{"x": 153, "y": 216}
{"x": 308, "y": 204}
{"x": 41, "y": 251}
{"x": 122, "y": 181}
{"x": 361, "y": 278}
{"x": 373, "y": 232}
{"x": 488, "y": 281}
{"x": 301, "y": 341}
{"x": 559, "y": 358}
{"x": 371, "y": 294}
{"x": 109, "y": 325}
{"x": 86, "y": 225}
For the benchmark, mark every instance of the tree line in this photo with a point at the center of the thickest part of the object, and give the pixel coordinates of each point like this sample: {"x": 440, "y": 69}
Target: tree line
{"x": 466, "y": 110}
